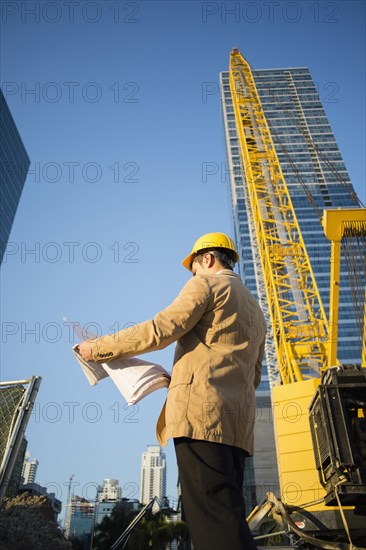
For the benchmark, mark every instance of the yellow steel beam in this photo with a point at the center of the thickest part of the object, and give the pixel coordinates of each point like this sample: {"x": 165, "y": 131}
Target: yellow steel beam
{"x": 335, "y": 221}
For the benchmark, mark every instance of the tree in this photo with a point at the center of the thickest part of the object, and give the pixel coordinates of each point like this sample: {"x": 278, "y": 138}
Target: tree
{"x": 152, "y": 532}
{"x": 143, "y": 536}
{"x": 77, "y": 543}
{"x": 162, "y": 536}
{"x": 155, "y": 532}
{"x": 180, "y": 533}
{"x": 108, "y": 531}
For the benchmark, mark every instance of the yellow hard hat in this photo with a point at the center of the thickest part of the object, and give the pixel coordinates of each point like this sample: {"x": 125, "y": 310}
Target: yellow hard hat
{"x": 211, "y": 240}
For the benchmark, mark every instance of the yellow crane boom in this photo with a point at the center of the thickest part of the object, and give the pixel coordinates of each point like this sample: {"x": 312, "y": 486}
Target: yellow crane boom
{"x": 299, "y": 323}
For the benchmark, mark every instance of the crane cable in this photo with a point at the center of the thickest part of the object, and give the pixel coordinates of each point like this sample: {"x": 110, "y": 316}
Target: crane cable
{"x": 305, "y": 188}
{"x": 353, "y": 245}
{"x": 315, "y": 147}
{"x": 344, "y": 521}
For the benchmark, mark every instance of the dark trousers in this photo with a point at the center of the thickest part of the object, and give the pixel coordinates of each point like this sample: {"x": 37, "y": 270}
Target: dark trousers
{"x": 211, "y": 478}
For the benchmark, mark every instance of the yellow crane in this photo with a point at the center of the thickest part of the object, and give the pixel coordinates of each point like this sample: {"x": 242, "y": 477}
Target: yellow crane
{"x": 305, "y": 341}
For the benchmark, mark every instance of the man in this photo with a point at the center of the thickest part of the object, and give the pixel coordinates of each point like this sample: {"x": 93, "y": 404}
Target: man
{"x": 210, "y": 409}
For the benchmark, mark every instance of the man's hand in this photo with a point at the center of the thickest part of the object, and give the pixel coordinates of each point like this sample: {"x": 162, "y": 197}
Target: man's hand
{"x": 85, "y": 350}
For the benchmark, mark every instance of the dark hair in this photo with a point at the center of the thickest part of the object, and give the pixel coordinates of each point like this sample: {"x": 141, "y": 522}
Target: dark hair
{"x": 224, "y": 255}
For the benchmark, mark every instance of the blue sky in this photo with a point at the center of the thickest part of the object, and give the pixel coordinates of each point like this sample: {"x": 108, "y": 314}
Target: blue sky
{"x": 124, "y": 116}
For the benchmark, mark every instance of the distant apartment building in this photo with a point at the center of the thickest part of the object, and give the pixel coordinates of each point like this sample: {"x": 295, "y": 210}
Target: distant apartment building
{"x": 14, "y": 164}
{"x": 29, "y": 470}
{"x": 153, "y": 474}
{"x": 108, "y": 496}
{"x": 109, "y": 491}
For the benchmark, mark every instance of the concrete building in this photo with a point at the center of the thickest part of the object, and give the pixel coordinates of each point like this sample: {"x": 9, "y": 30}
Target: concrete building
{"x": 309, "y": 156}
{"x": 14, "y": 164}
{"x": 109, "y": 491}
{"x": 108, "y": 495}
{"x": 29, "y": 470}
{"x": 153, "y": 474}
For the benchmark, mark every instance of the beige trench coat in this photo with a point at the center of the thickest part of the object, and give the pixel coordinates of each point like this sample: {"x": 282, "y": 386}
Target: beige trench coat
{"x": 220, "y": 333}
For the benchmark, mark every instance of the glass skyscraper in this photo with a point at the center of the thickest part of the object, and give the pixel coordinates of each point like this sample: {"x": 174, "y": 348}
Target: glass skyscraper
{"x": 317, "y": 179}
{"x": 14, "y": 164}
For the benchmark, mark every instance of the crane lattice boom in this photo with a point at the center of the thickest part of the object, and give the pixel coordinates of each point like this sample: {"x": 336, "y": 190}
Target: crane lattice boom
{"x": 297, "y": 314}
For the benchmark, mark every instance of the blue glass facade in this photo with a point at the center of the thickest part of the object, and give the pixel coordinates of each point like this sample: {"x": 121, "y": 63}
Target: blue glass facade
{"x": 14, "y": 164}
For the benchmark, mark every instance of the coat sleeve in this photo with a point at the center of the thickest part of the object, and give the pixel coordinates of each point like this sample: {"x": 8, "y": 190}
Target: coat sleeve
{"x": 167, "y": 326}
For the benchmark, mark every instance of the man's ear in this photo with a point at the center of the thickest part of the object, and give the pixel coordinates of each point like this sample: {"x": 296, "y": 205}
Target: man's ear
{"x": 211, "y": 261}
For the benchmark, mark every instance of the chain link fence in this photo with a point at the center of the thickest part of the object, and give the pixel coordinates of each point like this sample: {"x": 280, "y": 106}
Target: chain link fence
{"x": 16, "y": 403}
{"x": 10, "y": 401}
